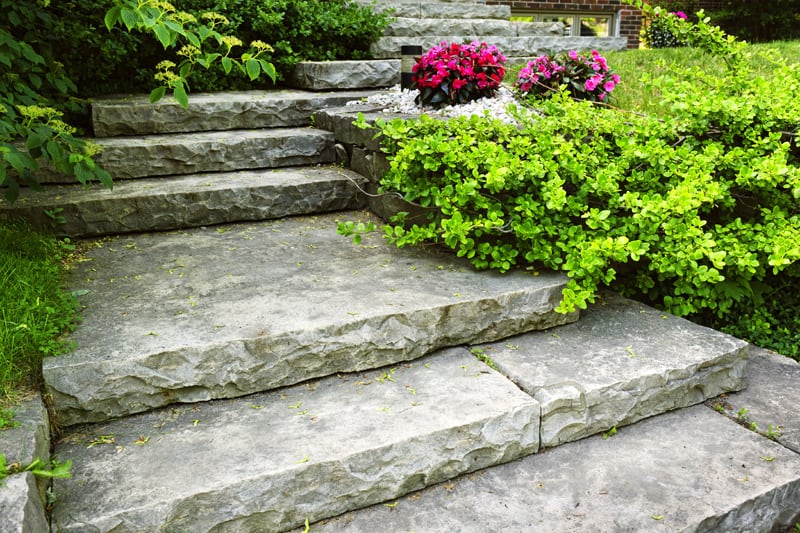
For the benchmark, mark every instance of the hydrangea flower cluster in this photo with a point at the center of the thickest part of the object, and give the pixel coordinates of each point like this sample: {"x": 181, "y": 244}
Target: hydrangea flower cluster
{"x": 657, "y": 33}
{"x": 586, "y": 77}
{"x": 458, "y": 73}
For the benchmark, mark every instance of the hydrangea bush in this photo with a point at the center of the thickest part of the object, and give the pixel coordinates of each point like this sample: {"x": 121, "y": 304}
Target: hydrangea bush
{"x": 458, "y": 73}
{"x": 585, "y": 77}
{"x": 658, "y": 35}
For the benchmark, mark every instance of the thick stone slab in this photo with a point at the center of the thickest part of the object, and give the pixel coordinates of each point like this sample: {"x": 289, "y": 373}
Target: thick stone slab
{"x": 771, "y": 397}
{"x": 21, "y": 507}
{"x": 223, "y": 312}
{"x": 158, "y": 204}
{"x": 326, "y": 75}
{"x": 270, "y": 461}
{"x": 218, "y": 151}
{"x": 622, "y": 362}
{"x": 135, "y": 115}
{"x": 389, "y": 47}
{"x": 442, "y": 10}
{"x": 26, "y": 442}
{"x": 420, "y": 27}
{"x": 690, "y": 470}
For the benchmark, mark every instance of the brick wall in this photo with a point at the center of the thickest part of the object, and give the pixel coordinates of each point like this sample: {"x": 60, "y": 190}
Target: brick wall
{"x": 628, "y": 20}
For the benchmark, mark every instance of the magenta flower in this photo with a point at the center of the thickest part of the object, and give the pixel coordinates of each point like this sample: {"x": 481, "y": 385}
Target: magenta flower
{"x": 680, "y": 14}
{"x": 583, "y": 77}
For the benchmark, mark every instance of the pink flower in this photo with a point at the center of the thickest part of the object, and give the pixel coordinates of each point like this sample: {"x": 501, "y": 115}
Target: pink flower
{"x": 608, "y": 86}
{"x": 615, "y": 78}
{"x": 590, "y": 85}
{"x": 458, "y": 83}
{"x": 573, "y": 55}
{"x": 680, "y": 15}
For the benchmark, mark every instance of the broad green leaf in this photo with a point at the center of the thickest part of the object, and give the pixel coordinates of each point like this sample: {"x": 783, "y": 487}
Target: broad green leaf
{"x": 163, "y": 35}
{"x": 185, "y": 70}
{"x": 269, "y": 69}
{"x": 180, "y": 95}
{"x": 227, "y": 64}
{"x": 157, "y": 94}
{"x": 253, "y": 68}
{"x": 20, "y": 161}
{"x": 112, "y": 17}
{"x": 129, "y": 18}
{"x": 192, "y": 38}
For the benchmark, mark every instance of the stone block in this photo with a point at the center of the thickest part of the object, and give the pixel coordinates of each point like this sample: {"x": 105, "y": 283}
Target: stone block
{"x": 269, "y": 462}
{"x": 622, "y": 362}
{"x": 21, "y": 507}
{"x": 180, "y": 318}
{"x": 29, "y": 440}
{"x": 420, "y": 27}
{"x": 337, "y": 75}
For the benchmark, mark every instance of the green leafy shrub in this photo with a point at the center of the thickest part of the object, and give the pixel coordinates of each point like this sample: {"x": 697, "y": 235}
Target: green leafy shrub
{"x": 695, "y": 211}
{"x": 313, "y": 30}
{"x": 656, "y": 33}
{"x": 457, "y": 73}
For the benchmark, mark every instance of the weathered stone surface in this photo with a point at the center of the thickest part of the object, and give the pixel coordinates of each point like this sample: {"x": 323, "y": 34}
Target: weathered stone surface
{"x": 21, "y": 507}
{"x": 530, "y": 29}
{"x": 622, "y": 362}
{"x": 218, "y": 151}
{"x": 270, "y": 461}
{"x": 442, "y": 10}
{"x": 325, "y": 75}
{"x": 420, "y": 27}
{"x": 158, "y": 204}
{"x": 771, "y": 397}
{"x": 387, "y": 47}
{"x": 690, "y": 470}
{"x": 29, "y": 439}
{"x": 223, "y": 312}
{"x": 340, "y": 120}
{"x": 135, "y": 115}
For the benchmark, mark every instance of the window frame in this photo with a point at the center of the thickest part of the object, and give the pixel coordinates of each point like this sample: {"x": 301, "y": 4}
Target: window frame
{"x": 538, "y": 16}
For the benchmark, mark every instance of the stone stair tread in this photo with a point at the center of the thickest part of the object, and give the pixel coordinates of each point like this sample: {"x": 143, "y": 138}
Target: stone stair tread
{"x": 213, "y": 151}
{"x": 621, "y": 362}
{"x": 690, "y": 470}
{"x": 232, "y": 310}
{"x": 174, "y": 202}
{"x": 135, "y": 115}
{"x": 442, "y": 10}
{"x": 270, "y": 461}
{"x": 523, "y": 46}
{"x": 415, "y": 27}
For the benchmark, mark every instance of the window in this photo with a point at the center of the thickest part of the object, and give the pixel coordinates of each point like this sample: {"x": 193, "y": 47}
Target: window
{"x": 581, "y": 24}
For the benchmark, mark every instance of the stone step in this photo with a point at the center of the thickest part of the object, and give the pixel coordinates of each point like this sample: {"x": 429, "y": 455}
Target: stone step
{"x": 326, "y": 446}
{"x": 232, "y": 310}
{"x": 389, "y": 47}
{"x": 496, "y": 28}
{"x": 170, "y": 203}
{"x": 270, "y": 461}
{"x": 135, "y": 115}
{"x": 441, "y": 10}
{"x": 691, "y": 470}
{"x": 214, "y": 151}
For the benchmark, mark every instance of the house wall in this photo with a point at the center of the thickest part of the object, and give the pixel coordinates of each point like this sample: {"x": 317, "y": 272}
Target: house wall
{"x": 628, "y": 19}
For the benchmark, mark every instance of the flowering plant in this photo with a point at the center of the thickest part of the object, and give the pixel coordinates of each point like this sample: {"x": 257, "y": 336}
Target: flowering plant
{"x": 658, "y": 35}
{"x": 457, "y": 73}
{"x": 586, "y": 78}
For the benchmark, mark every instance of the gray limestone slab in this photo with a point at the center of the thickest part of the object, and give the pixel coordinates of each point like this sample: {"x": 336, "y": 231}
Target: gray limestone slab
{"x": 690, "y": 470}
{"x": 21, "y": 507}
{"x": 327, "y": 75}
{"x": 523, "y": 46}
{"x": 270, "y": 461}
{"x": 232, "y": 310}
{"x": 420, "y": 27}
{"x": 771, "y": 397}
{"x": 623, "y": 361}
{"x": 278, "y": 108}
{"x": 169, "y": 203}
{"x": 29, "y": 439}
{"x": 216, "y": 151}
{"x": 442, "y": 10}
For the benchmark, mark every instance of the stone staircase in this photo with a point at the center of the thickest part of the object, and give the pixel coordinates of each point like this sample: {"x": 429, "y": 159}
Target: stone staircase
{"x": 241, "y": 367}
{"x": 427, "y": 24}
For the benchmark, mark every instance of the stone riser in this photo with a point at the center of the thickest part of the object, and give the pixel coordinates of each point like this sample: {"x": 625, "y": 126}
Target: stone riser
{"x": 270, "y": 461}
{"x": 219, "y": 151}
{"x": 491, "y": 29}
{"x": 170, "y": 203}
{"x": 216, "y": 313}
{"x": 443, "y": 10}
{"x": 389, "y": 47}
{"x": 135, "y": 115}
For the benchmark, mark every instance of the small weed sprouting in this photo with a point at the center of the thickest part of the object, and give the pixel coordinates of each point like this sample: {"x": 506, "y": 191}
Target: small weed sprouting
{"x": 610, "y": 433}
{"x": 7, "y": 419}
{"x": 484, "y": 358}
